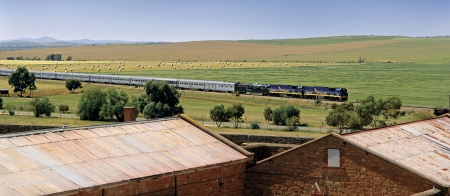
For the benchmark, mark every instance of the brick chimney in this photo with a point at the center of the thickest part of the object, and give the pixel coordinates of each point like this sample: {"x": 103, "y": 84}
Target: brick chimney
{"x": 129, "y": 114}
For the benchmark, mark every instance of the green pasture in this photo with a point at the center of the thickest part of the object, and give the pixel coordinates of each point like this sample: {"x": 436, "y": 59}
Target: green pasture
{"x": 415, "y": 84}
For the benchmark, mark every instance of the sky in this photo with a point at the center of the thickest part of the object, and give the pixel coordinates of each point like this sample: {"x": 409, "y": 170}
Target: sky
{"x": 196, "y": 20}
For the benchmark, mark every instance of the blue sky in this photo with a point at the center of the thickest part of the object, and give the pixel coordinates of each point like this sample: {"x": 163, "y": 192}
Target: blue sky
{"x": 189, "y": 20}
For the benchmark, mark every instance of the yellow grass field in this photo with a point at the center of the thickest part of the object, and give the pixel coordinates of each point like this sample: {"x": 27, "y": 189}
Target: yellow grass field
{"x": 390, "y": 49}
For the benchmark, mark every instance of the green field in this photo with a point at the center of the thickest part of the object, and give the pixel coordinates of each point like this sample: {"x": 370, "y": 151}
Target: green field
{"x": 417, "y": 72}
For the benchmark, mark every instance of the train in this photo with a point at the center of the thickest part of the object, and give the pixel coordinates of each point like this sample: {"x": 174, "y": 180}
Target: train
{"x": 276, "y": 90}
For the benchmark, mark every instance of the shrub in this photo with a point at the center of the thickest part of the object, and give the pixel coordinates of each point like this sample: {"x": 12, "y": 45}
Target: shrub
{"x": 254, "y": 125}
{"x": 63, "y": 108}
{"x": 318, "y": 102}
{"x": 42, "y": 106}
{"x": 284, "y": 112}
{"x": 11, "y": 109}
{"x": 292, "y": 123}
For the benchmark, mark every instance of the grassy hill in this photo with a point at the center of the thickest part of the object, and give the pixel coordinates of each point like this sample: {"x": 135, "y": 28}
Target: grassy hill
{"x": 328, "y": 49}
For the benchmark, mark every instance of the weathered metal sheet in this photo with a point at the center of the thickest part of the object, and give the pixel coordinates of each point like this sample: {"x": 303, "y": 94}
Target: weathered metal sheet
{"x": 58, "y": 152}
{"x": 176, "y": 139}
{"x": 55, "y": 162}
{"x": 168, "y": 161}
{"x": 5, "y": 143}
{"x": 35, "y": 153}
{"x": 172, "y": 154}
{"x": 93, "y": 173}
{"x": 116, "y": 130}
{"x": 152, "y": 143}
{"x": 156, "y": 126}
{"x": 112, "y": 172}
{"x": 37, "y": 139}
{"x": 54, "y": 137}
{"x": 113, "y": 150}
{"x": 122, "y": 144}
{"x": 129, "y": 128}
{"x": 70, "y": 135}
{"x": 169, "y": 124}
{"x": 423, "y": 146}
{"x": 20, "y": 141}
{"x": 158, "y": 166}
{"x": 86, "y": 133}
{"x": 121, "y": 165}
{"x": 142, "y": 127}
{"x": 73, "y": 176}
{"x": 77, "y": 150}
{"x": 93, "y": 148}
{"x": 58, "y": 180}
{"x": 102, "y": 132}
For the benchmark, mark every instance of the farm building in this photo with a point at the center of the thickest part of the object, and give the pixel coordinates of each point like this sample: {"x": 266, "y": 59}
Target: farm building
{"x": 168, "y": 156}
{"x": 404, "y": 159}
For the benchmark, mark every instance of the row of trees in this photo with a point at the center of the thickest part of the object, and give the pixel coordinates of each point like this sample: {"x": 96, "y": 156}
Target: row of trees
{"x": 54, "y": 57}
{"x": 235, "y": 112}
{"x": 158, "y": 100}
{"x": 370, "y": 111}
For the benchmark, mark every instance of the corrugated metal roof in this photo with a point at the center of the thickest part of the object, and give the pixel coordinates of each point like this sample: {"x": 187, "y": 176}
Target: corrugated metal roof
{"x": 422, "y": 146}
{"x": 59, "y": 161}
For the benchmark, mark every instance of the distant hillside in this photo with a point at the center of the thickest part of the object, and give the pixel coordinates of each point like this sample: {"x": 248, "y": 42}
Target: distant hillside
{"x": 319, "y": 40}
{"x": 312, "y": 50}
{"x": 49, "y": 42}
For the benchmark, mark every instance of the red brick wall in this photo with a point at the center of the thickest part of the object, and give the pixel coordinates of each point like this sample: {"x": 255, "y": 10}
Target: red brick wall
{"x": 201, "y": 182}
{"x": 297, "y": 171}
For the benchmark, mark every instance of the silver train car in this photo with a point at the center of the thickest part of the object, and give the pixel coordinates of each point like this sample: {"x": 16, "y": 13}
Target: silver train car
{"x": 132, "y": 80}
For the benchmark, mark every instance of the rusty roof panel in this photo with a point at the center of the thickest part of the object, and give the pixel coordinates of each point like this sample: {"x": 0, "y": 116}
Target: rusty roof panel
{"x": 108, "y": 170}
{"x": 157, "y": 165}
{"x": 53, "y": 177}
{"x": 422, "y": 146}
{"x": 86, "y": 133}
{"x": 56, "y": 162}
{"x": 102, "y": 132}
{"x": 142, "y": 127}
{"x": 129, "y": 128}
{"x": 37, "y": 139}
{"x": 54, "y": 137}
{"x": 70, "y": 135}
{"x": 5, "y": 143}
{"x": 122, "y": 144}
{"x": 168, "y": 161}
{"x": 116, "y": 130}
{"x": 77, "y": 150}
{"x": 121, "y": 164}
{"x": 168, "y": 124}
{"x": 20, "y": 141}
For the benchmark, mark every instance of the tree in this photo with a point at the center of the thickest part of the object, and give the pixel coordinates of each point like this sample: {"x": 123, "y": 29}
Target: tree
{"x": 376, "y": 112}
{"x": 361, "y": 60}
{"x": 63, "y": 108}
{"x": 42, "y": 106}
{"x": 21, "y": 79}
{"x": 32, "y": 84}
{"x": 281, "y": 114}
{"x": 69, "y": 58}
{"x": 90, "y": 104}
{"x": 218, "y": 114}
{"x": 159, "y": 100}
{"x": 268, "y": 114}
{"x": 113, "y": 105}
{"x": 73, "y": 84}
{"x": 343, "y": 117}
{"x": 236, "y": 112}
